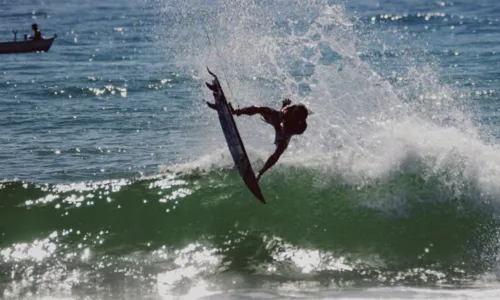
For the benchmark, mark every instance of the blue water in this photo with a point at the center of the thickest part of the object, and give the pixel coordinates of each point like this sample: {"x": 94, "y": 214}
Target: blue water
{"x": 117, "y": 182}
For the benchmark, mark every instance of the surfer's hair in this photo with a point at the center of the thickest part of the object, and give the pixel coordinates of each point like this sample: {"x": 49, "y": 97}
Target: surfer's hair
{"x": 297, "y": 127}
{"x": 300, "y": 111}
{"x": 295, "y": 119}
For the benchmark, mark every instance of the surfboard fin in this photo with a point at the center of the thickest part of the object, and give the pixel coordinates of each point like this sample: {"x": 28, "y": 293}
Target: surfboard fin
{"x": 212, "y": 105}
{"x": 215, "y": 85}
{"x": 212, "y": 87}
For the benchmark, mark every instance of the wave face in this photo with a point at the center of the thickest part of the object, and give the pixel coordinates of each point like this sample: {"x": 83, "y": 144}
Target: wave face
{"x": 201, "y": 229}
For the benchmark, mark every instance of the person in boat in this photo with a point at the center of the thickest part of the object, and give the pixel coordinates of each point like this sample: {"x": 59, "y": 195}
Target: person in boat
{"x": 38, "y": 34}
{"x": 288, "y": 121}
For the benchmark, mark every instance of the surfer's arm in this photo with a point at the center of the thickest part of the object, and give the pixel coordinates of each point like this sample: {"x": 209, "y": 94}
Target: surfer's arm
{"x": 273, "y": 159}
{"x": 252, "y": 110}
{"x": 266, "y": 112}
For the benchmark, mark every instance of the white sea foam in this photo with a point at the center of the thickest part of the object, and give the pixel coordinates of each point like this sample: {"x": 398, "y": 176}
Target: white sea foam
{"x": 362, "y": 126}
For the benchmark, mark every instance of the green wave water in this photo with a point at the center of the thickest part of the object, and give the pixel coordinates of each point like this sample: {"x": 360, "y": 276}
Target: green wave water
{"x": 203, "y": 225}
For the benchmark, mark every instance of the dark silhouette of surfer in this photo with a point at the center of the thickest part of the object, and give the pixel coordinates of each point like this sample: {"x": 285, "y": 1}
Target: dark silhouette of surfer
{"x": 288, "y": 121}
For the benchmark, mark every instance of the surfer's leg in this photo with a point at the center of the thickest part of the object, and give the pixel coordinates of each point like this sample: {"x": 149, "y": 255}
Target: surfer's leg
{"x": 273, "y": 159}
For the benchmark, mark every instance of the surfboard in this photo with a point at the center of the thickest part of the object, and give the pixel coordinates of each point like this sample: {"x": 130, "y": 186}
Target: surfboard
{"x": 233, "y": 139}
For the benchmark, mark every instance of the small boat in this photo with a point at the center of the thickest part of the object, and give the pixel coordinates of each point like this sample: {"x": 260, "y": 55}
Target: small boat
{"x": 27, "y": 45}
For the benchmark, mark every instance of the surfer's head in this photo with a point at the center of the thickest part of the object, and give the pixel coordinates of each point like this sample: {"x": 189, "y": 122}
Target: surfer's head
{"x": 34, "y": 26}
{"x": 294, "y": 118}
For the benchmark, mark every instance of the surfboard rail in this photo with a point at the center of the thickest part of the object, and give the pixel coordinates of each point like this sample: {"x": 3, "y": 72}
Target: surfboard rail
{"x": 233, "y": 139}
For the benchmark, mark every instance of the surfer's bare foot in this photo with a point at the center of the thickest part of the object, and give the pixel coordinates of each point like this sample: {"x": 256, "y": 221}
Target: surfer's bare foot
{"x": 211, "y": 105}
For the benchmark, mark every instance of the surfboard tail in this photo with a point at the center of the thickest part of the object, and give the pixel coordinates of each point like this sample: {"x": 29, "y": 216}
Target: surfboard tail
{"x": 216, "y": 88}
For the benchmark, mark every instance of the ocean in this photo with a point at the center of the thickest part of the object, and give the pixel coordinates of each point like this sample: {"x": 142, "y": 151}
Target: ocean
{"x": 116, "y": 181}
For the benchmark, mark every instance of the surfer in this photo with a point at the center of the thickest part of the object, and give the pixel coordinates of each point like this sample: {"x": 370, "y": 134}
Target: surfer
{"x": 288, "y": 121}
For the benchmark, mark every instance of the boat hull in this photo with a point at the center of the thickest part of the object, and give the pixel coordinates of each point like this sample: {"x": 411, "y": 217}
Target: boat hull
{"x": 26, "y": 46}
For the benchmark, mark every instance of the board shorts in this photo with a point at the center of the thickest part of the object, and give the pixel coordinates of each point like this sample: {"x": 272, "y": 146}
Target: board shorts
{"x": 281, "y": 137}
